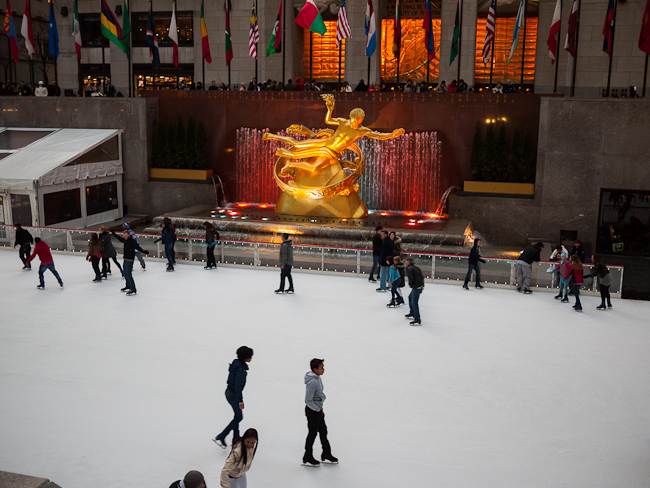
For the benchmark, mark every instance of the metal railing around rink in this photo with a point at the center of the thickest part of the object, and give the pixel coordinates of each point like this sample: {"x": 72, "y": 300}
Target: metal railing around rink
{"x": 324, "y": 259}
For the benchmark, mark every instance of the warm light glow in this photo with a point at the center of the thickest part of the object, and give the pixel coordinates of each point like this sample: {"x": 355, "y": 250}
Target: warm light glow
{"x": 242, "y": 204}
{"x": 409, "y": 214}
{"x": 413, "y": 55}
{"x": 323, "y": 53}
{"x": 411, "y": 223}
{"x": 264, "y": 205}
{"x": 384, "y": 214}
{"x": 233, "y": 213}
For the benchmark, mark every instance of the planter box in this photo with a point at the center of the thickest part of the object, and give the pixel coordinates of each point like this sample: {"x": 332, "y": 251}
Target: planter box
{"x": 501, "y": 188}
{"x": 180, "y": 174}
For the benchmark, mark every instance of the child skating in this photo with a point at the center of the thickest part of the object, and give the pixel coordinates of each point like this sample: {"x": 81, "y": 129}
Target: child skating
{"x": 575, "y": 272}
{"x": 395, "y": 281}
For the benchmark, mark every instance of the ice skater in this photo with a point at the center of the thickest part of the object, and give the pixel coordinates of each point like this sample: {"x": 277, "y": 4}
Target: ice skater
{"x": 138, "y": 254}
{"x": 42, "y": 250}
{"x": 376, "y": 253}
{"x": 474, "y": 259}
{"x": 604, "y": 281}
{"x": 211, "y": 238}
{"x": 95, "y": 255}
{"x": 130, "y": 247}
{"x": 168, "y": 239}
{"x": 575, "y": 273}
{"x": 286, "y": 262}
{"x": 385, "y": 260}
{"x": 237, "y": 373}
{"x": 395, "y": 282}
{"x": 23, "y": 239}
{"x": 416, "y": 283}
{"x": 233, "y": 474}
{"x": 314, "y": 399}
{"x": 562, "y": 267}
{"x": 193, "y": 479}
{"x": 525, "y": 262}
{"x": 108, "y": 252}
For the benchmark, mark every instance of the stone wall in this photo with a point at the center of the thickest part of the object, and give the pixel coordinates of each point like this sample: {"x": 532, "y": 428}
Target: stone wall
{"x": 583, "y": 146}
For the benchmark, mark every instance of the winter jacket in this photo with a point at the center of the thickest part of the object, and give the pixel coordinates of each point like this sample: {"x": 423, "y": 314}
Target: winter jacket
{"x": 43, "y": 251}
{"x": 387, "y": 252}
{"x": 94, "y": 249}
{"x": 531, "y": 253}
{"x": 233, "y": 468}
{"x": 580, "y": 252}
{"x": 168, "y": 234}
{"x": 577, "y": 275}
{"x": 23, "y": 237}
{"x": 130, "y": 246}
{"x": 107, "y": 245}
{"x": 475, "y": 254}
{"x": 376, "y": 244}
{"x": 237, "y": 373}
{"x": 555, "y": 256}
{"x": 416, "y": 279}
{"x": 286, "y": 253}
{"x": 394, "y": 274}
{"x": 211, "y": 237}
{"x": 563, "y": 267}
{"x": 314, "y": 395}
{"x": 397, "y": 246}
{"x": 402, "y": 273}
{"x": 600, "y": 270}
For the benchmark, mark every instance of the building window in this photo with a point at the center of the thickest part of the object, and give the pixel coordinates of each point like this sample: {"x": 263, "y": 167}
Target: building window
{"x": 502, "y": 42}
{"x": 321, "y": 55}
{"x": 413, "y": 54}
{"x": 161, "y": 21}
{"x": 62, "y": 206}
{"x": 101, "y": 198}
{"x": 165, "y": 78}
{"x": 623, "y": 222}
{"x": 91, "y": 31}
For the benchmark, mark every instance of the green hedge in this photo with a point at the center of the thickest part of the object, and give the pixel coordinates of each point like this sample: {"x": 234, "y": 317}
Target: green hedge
{"x": 179, "y": 147}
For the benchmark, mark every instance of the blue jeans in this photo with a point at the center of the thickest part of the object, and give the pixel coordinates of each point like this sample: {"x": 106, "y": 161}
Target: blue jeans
{"x": 128, "y": 274}
{"x": 169, "y": 254}
{"x": 234, "y": 423}
{"x": 414, "y": 298}
{"x": 383, "y": 277}
{"x": 375, "y": 263}
{"x": 395, "y": 293}
{"x": 41, "y": 271}
{"x": 473, "y": 266}
{"x": 564, "y": 286}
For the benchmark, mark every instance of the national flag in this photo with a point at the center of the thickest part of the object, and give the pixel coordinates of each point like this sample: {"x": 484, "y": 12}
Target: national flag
{"x": 126, "y": 28}
{"x": 309, "y": 18}
{"x": 570, "y": 43}
{"x": 26, "y": 30}
{"x": 173, "y": 34}
{"x": 608, "y": 28}
{"x": 554, "y": 33}
{"x": 489, "y": 33}
{"x": 205, "y": 43}
{"x": 275, "y": 44}
{"x": 428, "y": 31}
{"x": 644, "y": 37}
{"x": 152, "y": 40}
{"x": 111, "y": 27}
{"x": 253, "y": 32}
{"x": 342, "y": 25}
{"x": 53, "y": 33}
{"x": 455, "y": 40}
{"x": 229, "y": 55}
{"x": 397, "y": 30}
{"x": 10, "y": 30}
{"x": 515, "y": 34}
{"x": 371, "y": 29}
{"x": 76, "y": 31}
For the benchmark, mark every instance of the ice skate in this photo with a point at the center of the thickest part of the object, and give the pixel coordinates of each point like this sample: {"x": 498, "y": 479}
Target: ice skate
{"x": 329, "y": 459}
{"x": 519, "y": 288}
{"x": 601, "y": 307}
{"x": 131, "y": 293}
{"x": 465, "y": 287}
{"x": 125, "y": 289}
{"x": 290, "y": 290}
{"x": 558, "y": 296}
{"x": 609, "y": 304}
{"x": 565, "y": 299}
{"x": 278, "y": 291}
{"x": 219, "y": 442}
{"x": 408, "y": 316}
{"x": 415, "y": 322}
{"x": 381, "y": 290}
{"x": 392, "y": 304}
{"x": 310, "y": 462}
{"x": 41, "y": 287}
{"x": 479, "y": 286}
{"x": 527, "y": 291}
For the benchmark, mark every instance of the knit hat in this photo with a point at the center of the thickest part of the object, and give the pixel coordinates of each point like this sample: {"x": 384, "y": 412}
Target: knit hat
{"x": 193, "y": 479}
{"x": 126, "y": 225}
{"x": 564, "y": 255}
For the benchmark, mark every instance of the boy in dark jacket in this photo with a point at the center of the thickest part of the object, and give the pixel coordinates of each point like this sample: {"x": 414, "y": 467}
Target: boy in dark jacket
{"x": 416, "y": 283}
{"x": 24, "y": 240}
{"x": 168, "y": 239}
{"x": 474, "y": 259}
{"x": 237, "y": 373}
{"x": 130, "y": 246}
{"x": 385, "y": 260}
{"x": 376, "y": 253}
{"x": 530, "y": 255}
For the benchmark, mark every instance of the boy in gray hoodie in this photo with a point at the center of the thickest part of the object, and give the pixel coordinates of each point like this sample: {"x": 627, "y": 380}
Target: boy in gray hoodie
{"x": 314, "y": 399}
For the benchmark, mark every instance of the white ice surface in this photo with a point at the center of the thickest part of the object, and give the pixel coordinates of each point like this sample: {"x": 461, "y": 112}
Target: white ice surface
{"x": 496, "y": 389}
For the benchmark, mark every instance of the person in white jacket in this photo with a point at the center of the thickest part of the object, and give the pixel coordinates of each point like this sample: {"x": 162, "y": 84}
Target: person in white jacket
{"x": 233, "y": 474}
{"x": 314, "y": 399}
{"x": 40, "y": 91}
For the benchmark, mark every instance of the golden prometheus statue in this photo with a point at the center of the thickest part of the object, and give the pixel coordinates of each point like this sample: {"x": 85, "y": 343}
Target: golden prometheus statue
{"x": 320, "y": 185}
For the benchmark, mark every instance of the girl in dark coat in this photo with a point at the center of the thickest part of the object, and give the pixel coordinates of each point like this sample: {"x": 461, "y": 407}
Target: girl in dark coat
{"x": 211, "y": 236}
{"x": 604, "y": 281}
{"x": 94, "y": 255}
{"x": 108, "y": 252}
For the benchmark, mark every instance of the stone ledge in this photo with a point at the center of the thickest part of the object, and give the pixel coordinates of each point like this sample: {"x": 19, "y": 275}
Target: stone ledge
{"x": 15, "y": 480}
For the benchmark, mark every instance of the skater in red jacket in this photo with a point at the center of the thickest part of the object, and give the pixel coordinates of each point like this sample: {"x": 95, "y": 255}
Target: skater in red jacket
{"x": 42, "y": 250}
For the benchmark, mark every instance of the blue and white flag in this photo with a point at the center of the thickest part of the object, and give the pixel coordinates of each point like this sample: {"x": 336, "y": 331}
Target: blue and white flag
{"x": 371, "y": 36}
{"x": 515, "y": 34}
{"x": 54, "y": 34}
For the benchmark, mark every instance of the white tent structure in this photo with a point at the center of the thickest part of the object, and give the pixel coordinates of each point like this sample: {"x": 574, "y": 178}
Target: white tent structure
{"x": 60, "y": 177}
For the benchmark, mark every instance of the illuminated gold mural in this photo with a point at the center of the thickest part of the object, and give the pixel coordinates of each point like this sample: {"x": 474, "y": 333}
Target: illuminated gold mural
{"x": 323, "y": 53}
{"x": 413, "y": 55}
{"x": 502, "y": 42}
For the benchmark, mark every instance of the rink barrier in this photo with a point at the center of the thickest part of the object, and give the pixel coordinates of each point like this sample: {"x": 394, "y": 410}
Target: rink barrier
{"x": 436, "y": 267}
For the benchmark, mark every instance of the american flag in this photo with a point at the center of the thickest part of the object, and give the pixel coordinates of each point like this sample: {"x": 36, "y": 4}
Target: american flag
{"x": 253, "y": 33}
{"x": 489, "y": 33}
{"x": 342, "y": 26}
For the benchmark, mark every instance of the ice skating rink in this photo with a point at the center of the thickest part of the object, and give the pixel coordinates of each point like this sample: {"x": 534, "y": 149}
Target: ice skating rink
{"x": 496, "y": 389}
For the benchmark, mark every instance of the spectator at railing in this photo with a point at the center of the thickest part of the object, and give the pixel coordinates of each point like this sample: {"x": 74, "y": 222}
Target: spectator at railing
{"x": 40, "y": 91}
{"x": 24, "y": 90}
{"x": 373, "y": 88}
{"x": 509, "y": 88}
{"x": 213, "y": 86}
{"x": 300, "y": 86}
{"x": 462, "y": 86}
{"x": 361, "y": 87}
{"x": 453, "y": 87}
{"x": 498, "y": 88}
{"x": 442, "y": 87}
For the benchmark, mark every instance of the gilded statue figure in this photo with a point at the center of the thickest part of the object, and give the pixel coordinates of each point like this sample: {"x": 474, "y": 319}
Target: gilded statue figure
{"x": 322, "y": 184}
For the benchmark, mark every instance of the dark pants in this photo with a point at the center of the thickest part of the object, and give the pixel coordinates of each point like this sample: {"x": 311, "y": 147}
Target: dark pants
{"x": 24, "y": 253}
{"x": 395, "y": 292}
{"x": 95, "y": 262}
{"x": 286, "y": 273}
{"x": 234, "y": 423}
{"x": 41, "y": 272}
{"x": 211, "y": 260}
{"x": 604, "y": 295}
{"x": 576, "y": 293}
{"x": 316, "y": 425}
{"x": 170, "y": 255}
{"x": 375, "y": 265}
{"x": 414, "y": 298}
{"x": 128, "y": 274}
{"x": 106, "y": 265}
{"x": 475, "y": 267}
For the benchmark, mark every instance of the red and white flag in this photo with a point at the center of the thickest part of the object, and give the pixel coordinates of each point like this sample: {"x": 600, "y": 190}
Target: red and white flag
{"x": 489, "y": 33}
{"x": 554, "y": 33}
{"x": 342, "y": 25}
{"x": 26, "y": 30}
{"x": 571, "y": 41}
{"x": 253, "y": 32}
{"x": 173, "y": 34}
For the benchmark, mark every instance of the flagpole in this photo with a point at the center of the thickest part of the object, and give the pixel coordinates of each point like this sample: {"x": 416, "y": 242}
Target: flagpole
{"x": 130, "y": 66}
{"x": 494, "y": 36}
{"x": 340, "y": 51}
{"x": 523, "y": 50}
{"x": 31, "y": 60}
{"x": 103, "y": 70}
{"x": 203, "y": 71}
{"x": 256, "y": 52}
{"x": 311, "y": 55}
{"x": 369, "y": 69}
{"x": 645, "y": 75}
{"x": 284, "y": 36}
{"x": 460, "y": 39}
{"x": 575, "y": 58}
{"x": 557, "y": 52}
{"x": 611, "y": 56}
